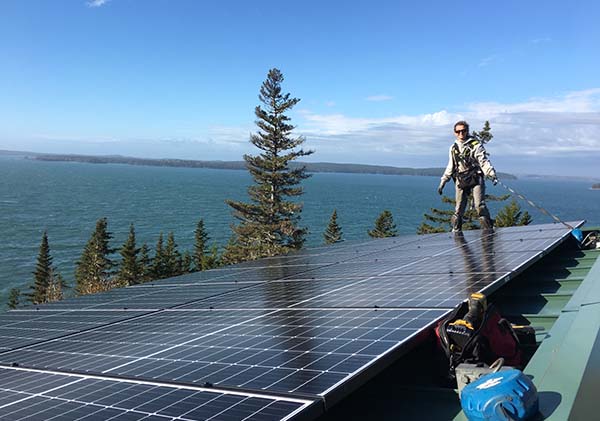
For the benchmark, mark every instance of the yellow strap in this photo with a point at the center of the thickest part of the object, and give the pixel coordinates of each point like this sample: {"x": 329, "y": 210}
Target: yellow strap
{"x": 462, "y": 322}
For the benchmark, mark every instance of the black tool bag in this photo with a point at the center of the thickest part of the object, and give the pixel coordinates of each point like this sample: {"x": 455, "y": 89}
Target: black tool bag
{"x": 492, "y": 339}
{"x": 468, "y": 179}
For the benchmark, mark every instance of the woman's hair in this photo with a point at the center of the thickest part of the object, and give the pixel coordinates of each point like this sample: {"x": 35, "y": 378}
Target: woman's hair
{"x": 461, "y": 123}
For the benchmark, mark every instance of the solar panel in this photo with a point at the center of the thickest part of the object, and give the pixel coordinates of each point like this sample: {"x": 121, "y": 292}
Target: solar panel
{"x": 303, "y": 351}
{"x": 308, "y": 326}
{"x": 27, "y": 395}
{"x": 26, "y": 327}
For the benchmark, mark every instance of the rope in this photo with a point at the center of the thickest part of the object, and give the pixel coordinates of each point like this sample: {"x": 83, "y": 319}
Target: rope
{"x": 544, "y": 211}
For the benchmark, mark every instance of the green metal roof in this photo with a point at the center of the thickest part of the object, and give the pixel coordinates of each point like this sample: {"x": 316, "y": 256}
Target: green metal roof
{"x": 566, "y": 367}
{"x": 560, "y": 296}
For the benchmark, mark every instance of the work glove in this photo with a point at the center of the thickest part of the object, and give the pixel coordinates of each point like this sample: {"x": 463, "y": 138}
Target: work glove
{"x": 441, "y": 188}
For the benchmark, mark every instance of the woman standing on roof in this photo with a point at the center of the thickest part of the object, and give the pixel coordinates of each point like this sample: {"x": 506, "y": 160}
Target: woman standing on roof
{"x": 468, "y": 165}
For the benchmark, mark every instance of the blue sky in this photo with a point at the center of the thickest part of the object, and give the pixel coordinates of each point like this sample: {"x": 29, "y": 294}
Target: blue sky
{"x": 380, "y": 82}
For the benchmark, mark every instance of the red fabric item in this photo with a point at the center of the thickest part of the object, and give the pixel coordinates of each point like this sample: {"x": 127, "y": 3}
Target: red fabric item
{"x": 502, "y": 339}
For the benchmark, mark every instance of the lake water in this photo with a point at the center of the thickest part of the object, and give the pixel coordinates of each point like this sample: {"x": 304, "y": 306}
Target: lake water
{"x": 66, "y": 199}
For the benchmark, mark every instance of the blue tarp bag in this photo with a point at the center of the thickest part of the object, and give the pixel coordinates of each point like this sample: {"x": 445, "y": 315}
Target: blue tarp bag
{"x": 502, "y": 396}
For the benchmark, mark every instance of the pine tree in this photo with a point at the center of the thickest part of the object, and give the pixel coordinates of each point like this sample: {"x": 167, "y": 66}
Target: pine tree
{"x": 14, "y": 296}
{"x": 130, "y": 272}
{"x": 93, "y": 272}
{"x": 440, "y": 217}
{"x": 56, "y": 287}
{"x": 511, "y": 215}
{"x": 186, "y": 262}
{"x": 158, "y": 269}
{"x": 269, "y": 224}
{"x": 485, "y": 135}
{"x": 384, "y": 226}
{"x": 212, "y": 259}
{"x": 42, "y": 274}
{"x": 233, "y": 252}
{"x": 200, "y": 246}
{"x": 333, "y": 232}
{"x": 145, "y": 263}
{"x": 172, "y": 257}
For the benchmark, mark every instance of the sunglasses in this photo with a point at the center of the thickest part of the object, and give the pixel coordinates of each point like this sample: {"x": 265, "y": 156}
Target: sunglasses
{"x": 461, "y": 131}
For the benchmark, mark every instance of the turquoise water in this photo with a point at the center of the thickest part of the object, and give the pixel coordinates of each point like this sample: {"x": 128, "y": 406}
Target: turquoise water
{"x": 68, "y": 198}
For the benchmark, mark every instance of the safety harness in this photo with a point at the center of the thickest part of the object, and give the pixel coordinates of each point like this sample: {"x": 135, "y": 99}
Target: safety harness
{"x": 472, "y": 175}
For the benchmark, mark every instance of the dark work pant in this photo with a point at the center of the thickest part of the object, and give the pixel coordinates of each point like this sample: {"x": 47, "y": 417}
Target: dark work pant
{"x": 461, "y": 204}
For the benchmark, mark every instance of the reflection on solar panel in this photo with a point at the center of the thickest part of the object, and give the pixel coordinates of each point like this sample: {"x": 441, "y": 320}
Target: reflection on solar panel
{"x": 269, "y": 339}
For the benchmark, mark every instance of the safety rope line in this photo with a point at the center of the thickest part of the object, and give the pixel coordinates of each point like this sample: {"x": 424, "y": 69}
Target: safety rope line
{"x": 544, "y": 211}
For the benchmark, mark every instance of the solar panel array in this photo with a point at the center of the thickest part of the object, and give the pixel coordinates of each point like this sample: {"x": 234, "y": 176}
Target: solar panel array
{"x": 269, "y": 339}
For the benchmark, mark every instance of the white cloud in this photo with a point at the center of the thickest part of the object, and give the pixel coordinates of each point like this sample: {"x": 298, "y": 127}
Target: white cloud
{"x": 338, "y": 124}
{"x": 486, "y": 61}
{"x": 97, "y": 3}
{"x": 572, "y": 102}
{"x": 230, "y": 136}
{"x": 541, "y": 40}
{"x": 379, "y": 98}
{"x": 540, "y": 127}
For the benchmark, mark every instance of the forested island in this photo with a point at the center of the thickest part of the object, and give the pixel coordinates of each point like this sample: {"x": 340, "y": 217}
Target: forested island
{"x": 312, "y": 167}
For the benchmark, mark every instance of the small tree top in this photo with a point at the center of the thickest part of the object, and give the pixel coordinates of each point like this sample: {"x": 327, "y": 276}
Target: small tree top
{"x": 384, "y": 226}
{"x": 333, "y": 232}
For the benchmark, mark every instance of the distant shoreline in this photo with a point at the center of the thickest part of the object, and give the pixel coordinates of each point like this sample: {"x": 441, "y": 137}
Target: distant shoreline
{"x": 313, "y": 167}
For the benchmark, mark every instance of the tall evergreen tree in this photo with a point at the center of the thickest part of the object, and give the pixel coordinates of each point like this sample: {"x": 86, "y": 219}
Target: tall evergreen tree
{"x": 269, "y": 224}
{"x": 42, "y": 274}
{"x": 333, "y": 232}
{"x": 384, "y": 226}
{"x": 14, "y": 297}
{"x": 172, "y": 257}
{"x": 200, "y": 246}
{"x": 145, "y": 263}
{"x": 93, "y": 272}
{"x": 511, "y": 215}
{"x": 158, "y": 269}
{"x": 186, "y": 262}
{"x": 130, "y": 272}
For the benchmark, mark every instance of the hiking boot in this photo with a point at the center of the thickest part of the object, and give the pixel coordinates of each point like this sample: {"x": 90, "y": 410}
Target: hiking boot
{"x": 456, "y": 223}
{"x": 486, "y": 223}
